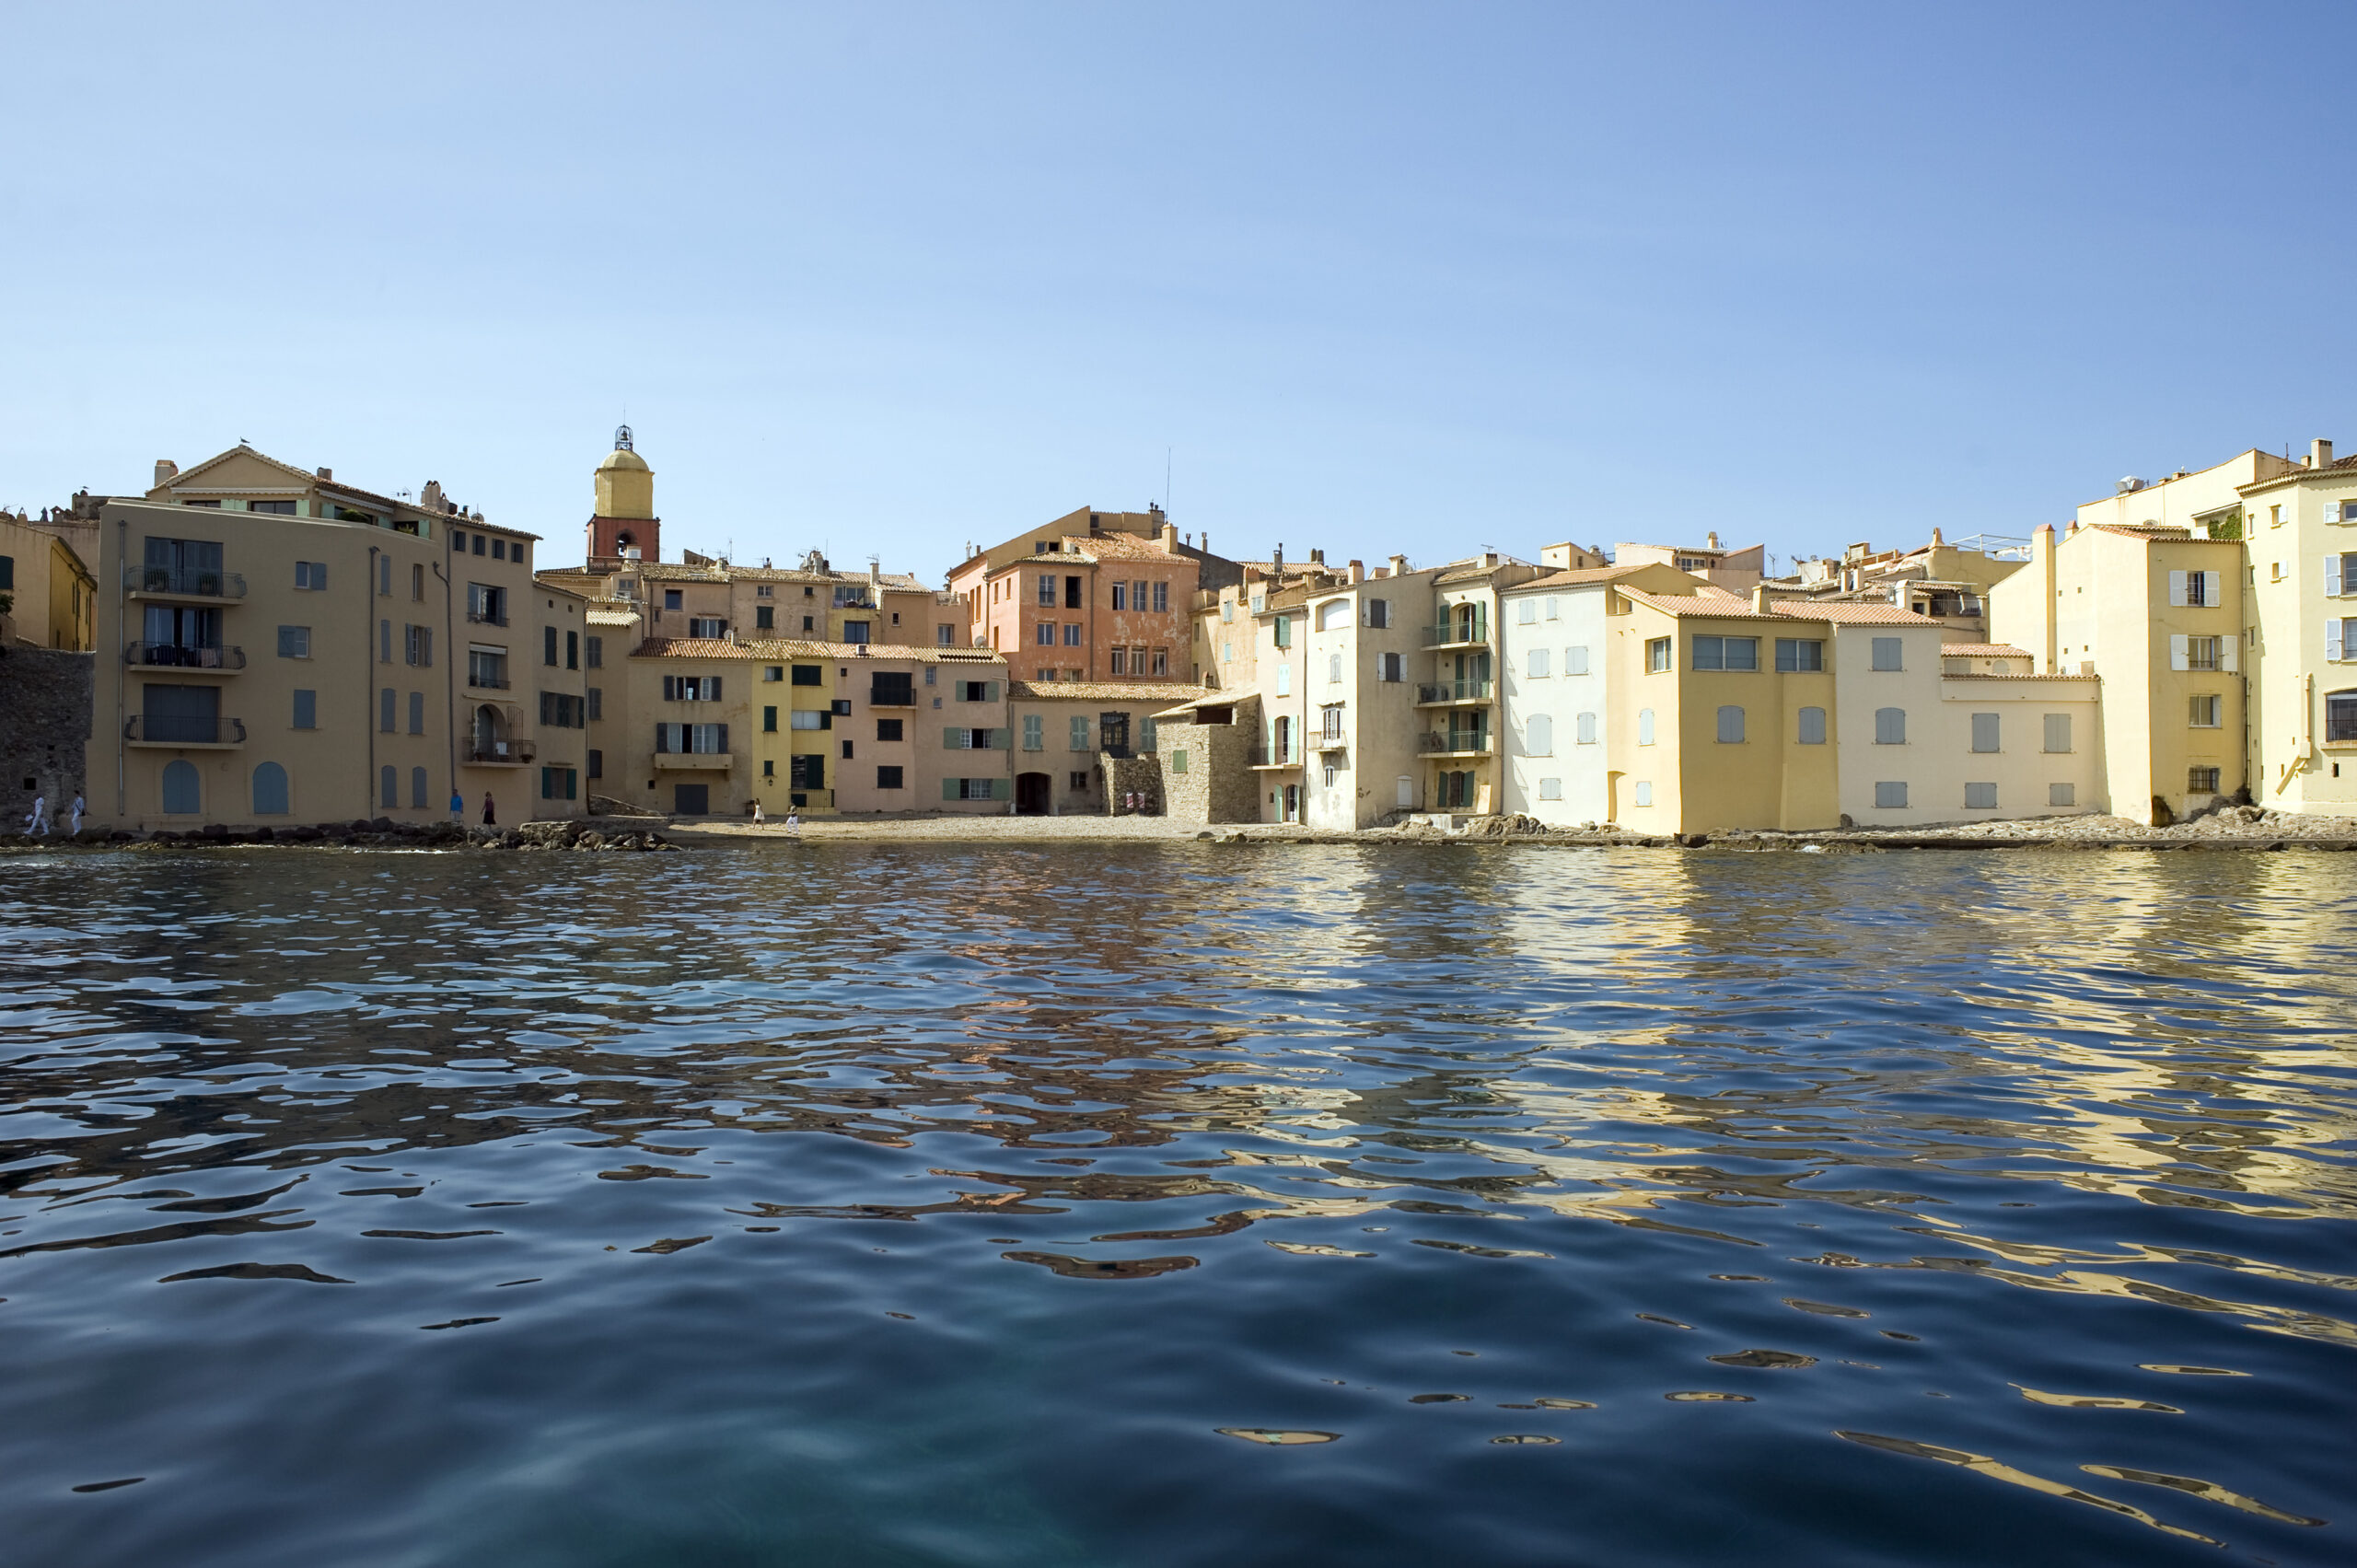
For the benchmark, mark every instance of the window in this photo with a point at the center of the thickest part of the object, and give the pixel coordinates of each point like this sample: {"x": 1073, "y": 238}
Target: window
{"x": 1281, "y": 629}
{"x": 1980, "y": 797}
{"x": 487, "y": 668}
{"x": 2341, "y": 715}
{"x": 1644, "y": 727}
{"x": 1046, "y": 591}
{"x": 417, "y": 581}
{"x": 561, "y": 710}
{"x": 1891, "y": 727}
{"x": 486, "y": 606}
{"x": 384, "y": 642}
{"x": 2199, "y": 589}
{"x": 1333, "y": 669}
{"x": 293, "y": 642}
{"x": 1072, "y": 593}
{"x": 1643, "y": 792}
{"x": 1071, "y": 633}
{"x": 810, "y": 718}
{"x": 1120, "y": 596}
{"x": 1178, "y": 760}
{"x": 1890, "y": 797}
{"x": 1551, "y": 789}
{"x": 1227, "y": 610}
{"x": 1726, "y": 653}
{"x": 891, "y": 729}
{"x": 1119, "y": 662}
{"x": 857, "y": 632}
{"x": 2339, "y": 571}
{"x": 2061, "y": 795}
{"x": 1984, "y": 732}
{"x": 594, "y": 702}
{"x": 692, "y": 688}
{"x": 2204, "y": 712}
{"x": 1587, "y": 729}
{"x": 2201, "y": 653}
{"x": 1162, "y": 661}
{"x": 598, "y": 764}
{"x": 1079, "y": 782}
{"x": 2058, "y": 732}
{"x": 2201, "y": 781}
{"x": 417, "y": 789}
{"x": 311, "y": 575}
{"x": 307, "y": 710}
{"x": 1538, "y": 735}
{"x": 389, "y": 786}
{"x": 417, "y": 713}
{"x": 671, "y": 599}
{"x": 807, "y": 771}
{"x": 384, "y": 590}
{"x": 1525, "y": 613}
{"x": 806, "y": 675}
{"x": 1227, "y": 652}
{"x": 1888, "y": 652}
{"x": 417, "y": 645}
{"x": 1391, "y": 667}
{"x": 1797, "y": 654}
{"x": 1656, "y": 655}
{"x": 1812, "y": 727}
{"x": 1576, "y": 661}
{"x": 692, "y": 740}
{"x": 847, "y": 751}
{"x": 1537, "y": 664}
{"x": 386, "y": 700}
{"x": 1162, "y": 597}
{"x": 890, "y": 778}
{"x": 596, "y": 651}
{"x": 1046, "y": 635}
{"x": 269, "y": 791}
{"x": 1379, "y": 613}
{"x": 478, "y": 543}
{"x": 768, "y": 721}
{"x": 1079, "y": 733}
{"x": 1730, "y": 726}
{"x": 499, "y": 550}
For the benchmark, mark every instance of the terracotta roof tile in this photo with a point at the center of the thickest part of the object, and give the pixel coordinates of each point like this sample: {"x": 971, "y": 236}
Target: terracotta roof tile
{"x": 1985, "y": 650}
{"x": 1101, "y": 691}
{"x": 865, "y": 653}
{"x": 1577, "y": 575}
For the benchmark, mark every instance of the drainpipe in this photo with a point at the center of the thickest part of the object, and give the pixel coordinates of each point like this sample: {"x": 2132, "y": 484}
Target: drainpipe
{"x": 122, "y": 601}
{"x": 368, "y": 691}
{"x": 449, "y": 668}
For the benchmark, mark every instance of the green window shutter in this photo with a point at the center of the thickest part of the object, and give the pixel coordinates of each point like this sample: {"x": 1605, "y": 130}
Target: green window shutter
{"x": 949, "y": 741}
{"x": 998, "y": 789}
{"x": 990, "y": 690}
{"x": 768, "y": 721}
{"x": 949, "y": 789}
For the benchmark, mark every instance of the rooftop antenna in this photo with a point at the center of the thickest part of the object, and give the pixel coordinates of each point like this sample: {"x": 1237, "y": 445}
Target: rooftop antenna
{"x": 1165, "y": 482}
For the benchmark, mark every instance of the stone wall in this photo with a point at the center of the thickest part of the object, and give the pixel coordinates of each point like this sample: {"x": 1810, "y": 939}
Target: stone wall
{"x": 44, "y": 730}
{"x": 1217, "y": 783}
{"x": 1127, "y": 777}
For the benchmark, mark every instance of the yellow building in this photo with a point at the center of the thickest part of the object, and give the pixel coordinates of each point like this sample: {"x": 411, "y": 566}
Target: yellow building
{"x": 281, "y": 648}
{"x": 47, "y": 593}
{"x": 2299, "y": 530}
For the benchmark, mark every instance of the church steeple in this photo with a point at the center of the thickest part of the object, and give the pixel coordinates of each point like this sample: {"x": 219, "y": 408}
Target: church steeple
{"x": 624, "y": 515}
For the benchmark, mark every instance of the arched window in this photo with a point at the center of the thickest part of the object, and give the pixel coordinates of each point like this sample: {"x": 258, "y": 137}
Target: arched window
{"x": 417, "y": 788}
{"x": 1730, "y": 726}
{"x": 1538, "y": 734}
{"x": 1334, "y": 614}
{"x": 1644, "y": 727}
{"x": 388, "y": 786}
{"x": 1891, "y": 727}
{"x": 269, "y": 791}
{"x": 1587, "y": 729}
{"x": 182, "y": 797}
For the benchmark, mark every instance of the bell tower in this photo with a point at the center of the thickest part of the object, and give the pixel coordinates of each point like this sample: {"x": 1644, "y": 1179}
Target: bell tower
{"x": 623, "y": 517}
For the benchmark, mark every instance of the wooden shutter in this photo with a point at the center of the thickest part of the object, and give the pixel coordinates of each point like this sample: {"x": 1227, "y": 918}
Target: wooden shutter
{"x": 2178, "y": 657}
{"x": 2332, "y": 576}
{"x": 2230, "y": 653}
{"x": 670, "y": 687}
{"x": 2332, "y": 640}
{"x": 2212, "y": 588}
{"x": 950, "y": 786}
{"x": 662, "y": 739}
{"x": 712, "y": 693}
{"x": 724, "y": 739}
{"x": 2176, "y": 592}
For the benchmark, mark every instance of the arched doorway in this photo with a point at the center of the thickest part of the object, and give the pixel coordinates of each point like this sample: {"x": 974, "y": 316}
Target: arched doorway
{"x": 1031, "y": 794}
{"x": 181, "y": 794}
{"x": 491, "y": 735}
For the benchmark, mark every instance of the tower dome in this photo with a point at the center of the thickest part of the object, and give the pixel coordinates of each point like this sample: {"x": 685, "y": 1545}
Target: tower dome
{"x": 623, "y": 517}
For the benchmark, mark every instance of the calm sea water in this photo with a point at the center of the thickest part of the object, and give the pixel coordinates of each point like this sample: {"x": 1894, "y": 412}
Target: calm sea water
{"x": 1175, "y": 1205}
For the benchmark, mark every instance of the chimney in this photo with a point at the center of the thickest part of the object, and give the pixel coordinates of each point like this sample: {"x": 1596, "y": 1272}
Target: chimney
{"x": 1399, "y": 565}
{"x": 2319, "y": 453}
{"x": 1759, "y": 600}
{"x": 1318, "y": 558}
{"x": 1170, "y": 536}
{"x": 1207, "y": 542}
{"x": 1358, "y": 572}
{"x": 1936, "y": 539}
{"x": 327, "y": 473}
{"x": 1711, "y": 542}
{"x": 166, "y": 470}
{"x": 1277, "y": 559}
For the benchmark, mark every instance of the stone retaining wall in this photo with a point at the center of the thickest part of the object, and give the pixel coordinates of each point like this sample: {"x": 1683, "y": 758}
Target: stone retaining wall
{"x": 44, "y": 730}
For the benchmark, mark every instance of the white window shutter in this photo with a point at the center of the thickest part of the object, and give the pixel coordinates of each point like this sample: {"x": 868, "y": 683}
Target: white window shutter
{"x": 2179, "y": 658}
{"x": 2332, "y": 576}
{"x": 2176, "y": 587}
{"x": 2332, "y": 642}
{"x": 2332, "y": 511}
{"x": 2230, "y": 654}
{"x": 2212, "y": 588}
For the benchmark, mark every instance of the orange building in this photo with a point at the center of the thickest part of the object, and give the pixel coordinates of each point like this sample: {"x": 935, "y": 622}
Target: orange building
{"x": 1092, "y": 595}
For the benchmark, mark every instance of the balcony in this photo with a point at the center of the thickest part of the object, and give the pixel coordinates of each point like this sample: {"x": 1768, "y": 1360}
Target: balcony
{"x": 175, "y": 656}
{"x": 486, "y": 618}
{"x": 1457, "y": 743}
{"x": 1335, "y": 741}
{"x": 1267, "y": 756}
{"x": 500, "y": 753}
{"x": 182, "y": 582}
{"x": 158, "y": 729}
{"x": 486, "y": 683}
{"x": 1441, "y": 693}
{"x": 693, "y": 761}
{"x": 891, "y": 697}
{"x": 1461, "y": 635}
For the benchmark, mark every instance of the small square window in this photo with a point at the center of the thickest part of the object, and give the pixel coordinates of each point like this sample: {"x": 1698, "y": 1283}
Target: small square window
{"x": 1890, "y": 795}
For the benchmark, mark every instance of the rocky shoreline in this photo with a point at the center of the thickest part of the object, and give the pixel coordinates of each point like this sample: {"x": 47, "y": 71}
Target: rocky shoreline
{"x": 591, "y": 834}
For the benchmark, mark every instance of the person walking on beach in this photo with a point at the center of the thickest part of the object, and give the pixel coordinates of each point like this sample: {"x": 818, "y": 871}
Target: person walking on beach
{"x": 793, "y": 822}
{"x": 77, "y": 814}
{"x": 38, "y": 823}
{"x": 457, "y": 806}
{"x": 758, "y": 818}
{"x": 490, "y": 812}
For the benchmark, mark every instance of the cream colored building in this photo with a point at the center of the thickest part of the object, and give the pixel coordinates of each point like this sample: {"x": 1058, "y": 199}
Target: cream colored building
{"x": 2299, "y": 530}
{"x": 279, "y": 647}
{"x": 2153, "y": 609}
{"x": 1064, "y": 732}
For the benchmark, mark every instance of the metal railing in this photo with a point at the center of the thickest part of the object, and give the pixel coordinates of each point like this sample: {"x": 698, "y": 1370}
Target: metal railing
{"x": 176, "y": 656}
{"x": 1475, "y": 633}
{"x": 167, "y": 729}
{"x": 502, "y": 750}
{"x": 486, "y": 618}
{"x": 1461, "y": 741}
{"x": 187, "y": 582}
{"x": 891, "y": 696}
{"x": 487, "y": 682}
{"x": 1454, "y": 692}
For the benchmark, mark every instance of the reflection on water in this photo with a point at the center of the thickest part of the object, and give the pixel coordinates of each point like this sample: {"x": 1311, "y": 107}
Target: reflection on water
{"x": 1172, "y": 1204}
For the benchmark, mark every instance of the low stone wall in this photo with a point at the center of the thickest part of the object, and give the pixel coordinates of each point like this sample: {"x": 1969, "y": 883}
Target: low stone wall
{"x": 44, "y": 731}
{"x": 1133, "y": 785}
{"x": 1214, "y": 782}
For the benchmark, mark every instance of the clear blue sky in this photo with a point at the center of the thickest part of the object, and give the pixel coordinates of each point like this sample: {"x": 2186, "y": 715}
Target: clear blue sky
{"x": 1383, "y": 278}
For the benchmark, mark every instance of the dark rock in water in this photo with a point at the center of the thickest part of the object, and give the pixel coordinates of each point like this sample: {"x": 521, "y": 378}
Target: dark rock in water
{"x": 358, "y": 825}
{"x": 265, "y": 835}
{"x": 380, "y": 825}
